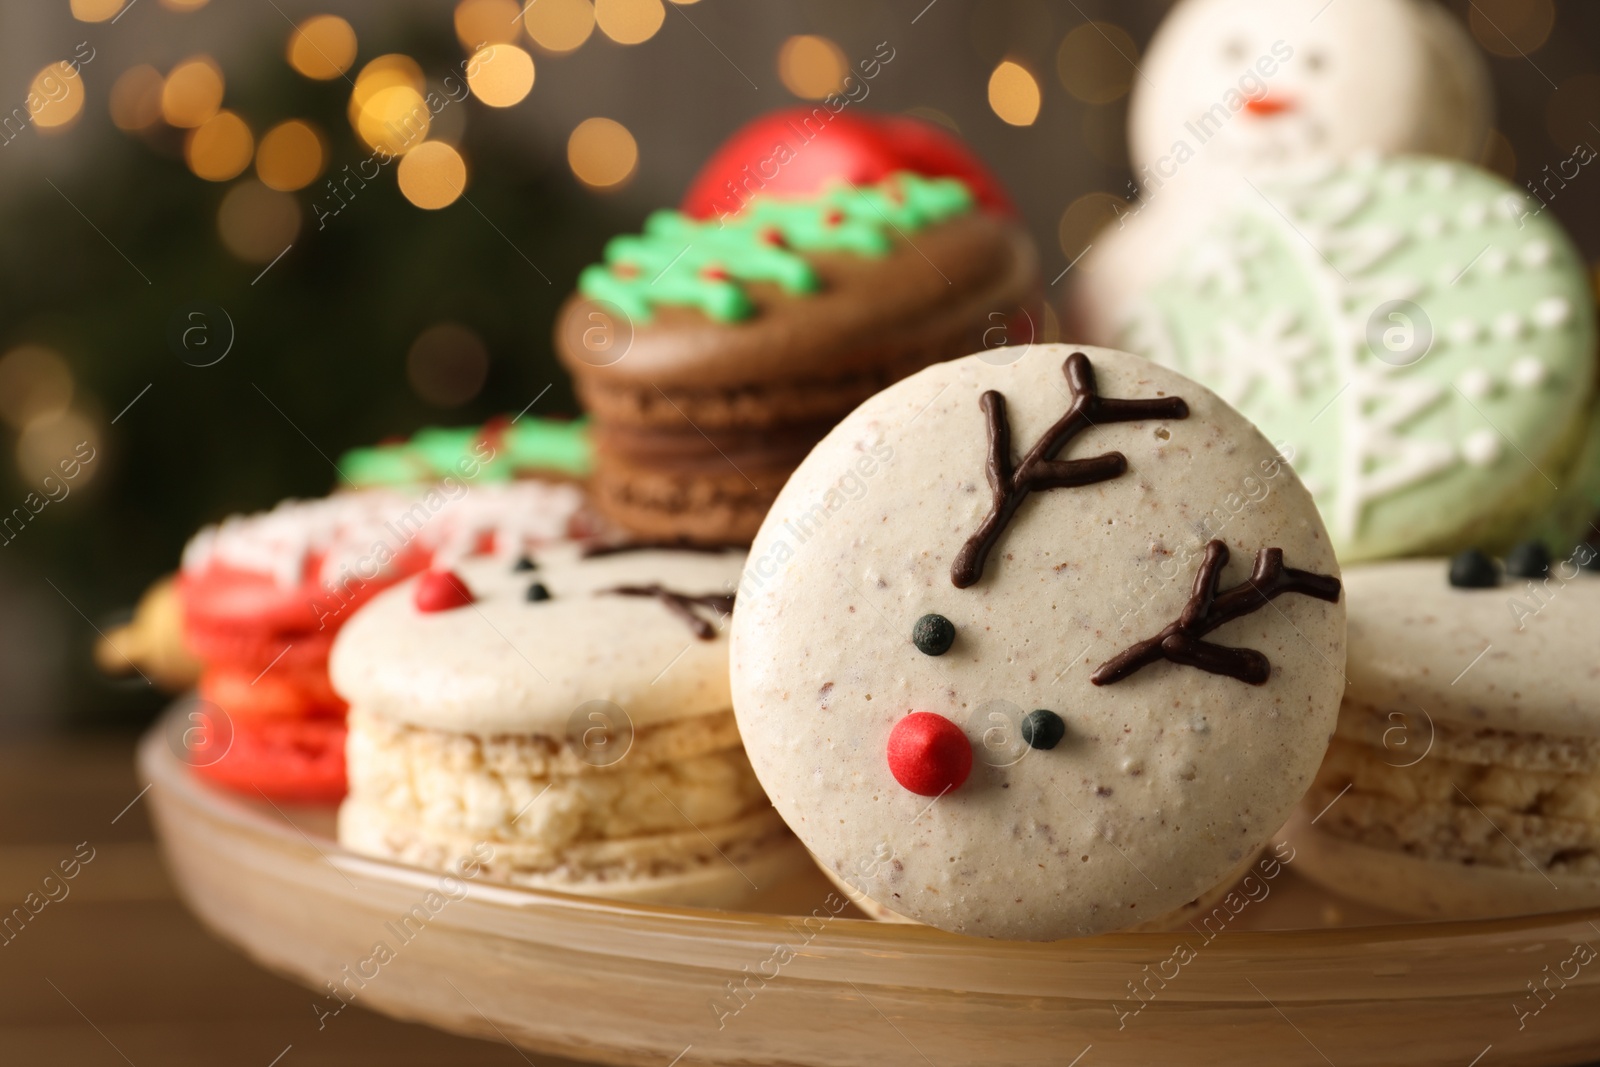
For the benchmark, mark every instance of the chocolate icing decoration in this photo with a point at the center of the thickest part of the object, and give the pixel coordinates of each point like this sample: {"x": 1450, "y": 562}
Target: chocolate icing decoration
{"x": 682, "y": 605}
{"x": 1039, "y": 469}
{"x": 1208, "y": 609}
{"x": 595, "y": 550}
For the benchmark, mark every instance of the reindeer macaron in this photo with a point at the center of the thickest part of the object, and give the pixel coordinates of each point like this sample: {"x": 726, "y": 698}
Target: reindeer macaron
{"x": 995, "y": 665}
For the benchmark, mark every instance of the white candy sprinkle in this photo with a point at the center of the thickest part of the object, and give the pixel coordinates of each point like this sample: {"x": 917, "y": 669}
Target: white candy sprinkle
{"x": 1474, "y": 215}
{"x": 1552, "y": 312}
{"x": 1464, "y": 331}
{"x": 1430, "y": 225}
{"x": 1442, "y": 176}
{"x": 1529, "y": 371}
{"x": 1535, "y": 254}
{"x": 1494, "y": 262}
{"x": 1509, "y": 326}
{"x": 1475, "y": 384}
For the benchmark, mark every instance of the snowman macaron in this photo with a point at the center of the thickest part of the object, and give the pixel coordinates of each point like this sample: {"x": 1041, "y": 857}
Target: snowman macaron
{"x": 1234, "y": 90}
{"x": 1039, "y": 643}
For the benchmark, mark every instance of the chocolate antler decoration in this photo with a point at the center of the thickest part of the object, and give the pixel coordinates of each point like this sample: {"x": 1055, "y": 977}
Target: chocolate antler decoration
{"x": 1038, "y": 469}
{"x": 683, "y": 605}
{"x": 1208, "y": 609}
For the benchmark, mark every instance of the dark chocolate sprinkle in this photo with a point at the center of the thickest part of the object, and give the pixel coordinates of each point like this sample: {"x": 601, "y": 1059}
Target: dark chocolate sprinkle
{"x": 1530, "y": 559}
{"x": 1043, "y": 729}
{"x": 1473, "y": 569}
{"x": 933, "y": 635}
{"x": 525, "y": 563}
{"x": 537, "y": 592}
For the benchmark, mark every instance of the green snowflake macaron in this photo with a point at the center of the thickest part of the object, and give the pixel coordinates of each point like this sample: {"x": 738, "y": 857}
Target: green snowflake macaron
{"x": 1416, "y": 335}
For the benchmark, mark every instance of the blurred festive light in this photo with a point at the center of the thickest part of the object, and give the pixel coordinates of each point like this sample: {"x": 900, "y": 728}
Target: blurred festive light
{"x": 136, "y": 98}
{"x": 558, "y": 25}
{"x": 256, "y": 223}
{"x": 290, "y": 156}
{"x": 481, "y": 22}
{"x": 192, "y": 92}
{"x": 1097, "y": 62}
{"x": 220, "y": 149}
{"x": 1499, "y": 156}
{"x": 629, "y": 21}
{"x": 500, "y": 75}
{"x": 1511, "y": 28}
{"x": 395, "y": 120}
{"x": 432, "y": 175}
{"x": 322, "y": 47}
{"x": 1084, "y": 218}
{"x": 447, "y": 364}
{"x": 602, "y": 153}
{"x": 184, "y": 5}
{"x": 1568, "y": 112}
{"x": 60, "y": 88}
{"x": 382, "y": 73}
{"x": 95, "y": 10}
{"x": 35, "y": 383}
{"x": 1014, "y": 94}
{"x": 45, "y": 443}
{"x": 811, "y": 67}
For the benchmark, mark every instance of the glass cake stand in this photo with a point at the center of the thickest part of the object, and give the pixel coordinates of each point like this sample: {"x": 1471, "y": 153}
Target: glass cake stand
{"x": 1297, "y": 977}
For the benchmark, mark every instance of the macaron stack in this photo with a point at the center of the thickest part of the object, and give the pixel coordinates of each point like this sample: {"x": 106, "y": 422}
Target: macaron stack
{"x": 713, "y": 354}
{"x": 567, "y": 716}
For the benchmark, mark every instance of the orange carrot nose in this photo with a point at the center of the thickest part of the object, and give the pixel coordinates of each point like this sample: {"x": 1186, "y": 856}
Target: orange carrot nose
{"x": 1267, "y": 105}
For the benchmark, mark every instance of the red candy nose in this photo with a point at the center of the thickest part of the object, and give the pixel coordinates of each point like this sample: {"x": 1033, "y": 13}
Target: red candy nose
{"x": 441, "y": 591}
{"x": 1266, "y": 106}
{"x": 928, "y": 754}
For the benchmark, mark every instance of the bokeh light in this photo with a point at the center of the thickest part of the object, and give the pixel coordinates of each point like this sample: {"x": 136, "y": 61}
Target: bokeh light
{"x": 59, "y": 87}
{"x": 35, "y": 383}
{"x": 1097, "y": 62}
{"x": 1084, "y": 218}
{"x": 811, "y": 67}
{"x": 45, "y": 443}
{"x": 500, "y": 75}
{"x": 322, "y": 47}
{"x": 220, "y": 149}
{"x": 1511, "y": 28}
{"x": 447, "y": 364}
{"x": 602, "y": 153}
{"x": 1499, "y": 156}
{"x": 432, "y": 175}
{"x": 95, "y": 10}
{"x": 629, "y": 21}
{"x": 385, "y": 72}
{"x": 559, "y": 25}
{"x": 290, "y": 156}
{"x": 1014, "y": 94}
{"x": 395, "y": 120}
{"x": 192, "y": 92}
{"x": 184, "y": 5}
{"x": 1569, "y": 110}
{"x": 257, "y": 223}
{"x": 481, "y": 22}
{"x": 136, "y": 98}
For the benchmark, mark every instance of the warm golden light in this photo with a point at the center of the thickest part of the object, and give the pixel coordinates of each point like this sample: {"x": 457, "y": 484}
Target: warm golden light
{"x": 382, "y": 73}
{"x": 432, "y": 175}
{"x": 193, "y": 92}
{"x": 45, "y": 444}
{"x": 1512, "y": 28}
{"x": 558, "y": 25}
{"x": 184, "y": 5}
{"x": 811, "y": 67}
{"x": 1014, "y": 94}
{"x": 257, "y": 223}
{"x": 290, "y": 156}
{"x": 56, "y": 96}
{"x": 95, "y": 10}
{"x": 629, "y": 21}
{"x": 602, "y": 153}
{"x": 322, "y": 47}
{"x": 35, "y": 383}
{"x": 481, "y": 22}
{"x": 1096, "y": 62}
{"x": 395, "y": 120}
{"x": 136, "y": 98}
{"x": 220, "y": 149}
{"x": 500, "y": 75}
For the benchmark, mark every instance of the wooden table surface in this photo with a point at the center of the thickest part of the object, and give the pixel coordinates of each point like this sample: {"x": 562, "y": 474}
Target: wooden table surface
{"x": 118, "y": 972}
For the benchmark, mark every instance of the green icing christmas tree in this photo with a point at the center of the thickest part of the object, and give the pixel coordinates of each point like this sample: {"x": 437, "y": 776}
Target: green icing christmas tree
{"x": 706, "y": 264}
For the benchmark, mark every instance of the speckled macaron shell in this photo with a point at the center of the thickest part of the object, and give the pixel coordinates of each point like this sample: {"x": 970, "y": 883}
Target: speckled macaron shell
{"x": 1519, "y": 657}
{"x": 507, "y": 665}
{"x": 1165, "y": 781}
{"x": 1418, "y": 332}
